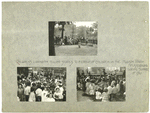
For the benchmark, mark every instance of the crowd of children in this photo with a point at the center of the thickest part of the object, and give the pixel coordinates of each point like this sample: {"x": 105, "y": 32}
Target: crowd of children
{"x": 102, "y": 88}
{"x": 41, "y": 88}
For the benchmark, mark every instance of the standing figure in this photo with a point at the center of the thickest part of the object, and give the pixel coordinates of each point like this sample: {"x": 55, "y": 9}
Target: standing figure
{"x": 79, "y": 43}
{"x": 105, "y": 95}
{"x": 20, "y": 92}
{"x": 65, "y": 40}
{"x": 27, "y": 90}
{"x": 87, "y": 87}
{"x": 32, "y": 95}
{"x": 38, "y": 93}
{"x": 92, "y": 88}
{"x": 86, "y": 41}
{"x": 44, "y": 94}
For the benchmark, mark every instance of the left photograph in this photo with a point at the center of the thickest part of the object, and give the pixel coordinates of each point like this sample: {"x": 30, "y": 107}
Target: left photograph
{"x": 41, "y": 84}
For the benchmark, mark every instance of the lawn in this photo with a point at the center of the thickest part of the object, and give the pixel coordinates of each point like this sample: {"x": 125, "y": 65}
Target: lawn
{"x": 74, "y": 50}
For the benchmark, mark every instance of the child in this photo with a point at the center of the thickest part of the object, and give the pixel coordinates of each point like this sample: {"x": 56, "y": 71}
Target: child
{"x": 78, "y": 85}
{"x": 34, "y": 87}
{"x": 57, "y": 79}
{"x": 52, "y": 84}
{"x": 79, "y": 43}
{"x": 21, "y": 92}
{"x": 105, "y": 95}
{"x": 114, "y": 91}
{"x": 61, "y": 88}
{"x": 18, "y": 99}
{"x": 44, "y": 93}
{"x": 57, "y": 95}
{"x": 92, "y": 88}
{"x": 49, "y": 98}
{"x": 118, "y": 86}
{"x": 27, "y": 90}
{"x": 64, "y": 95}
{"x": 87, "y": 86}
{"x": 98, "y": 94}
{"x": 32, "y": 95}
{"x": 110, "y": 91}
{"x": 38, "y": 93}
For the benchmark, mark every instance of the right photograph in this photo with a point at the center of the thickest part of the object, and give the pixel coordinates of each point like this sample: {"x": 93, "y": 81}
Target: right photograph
{"x": 101, "y": 84}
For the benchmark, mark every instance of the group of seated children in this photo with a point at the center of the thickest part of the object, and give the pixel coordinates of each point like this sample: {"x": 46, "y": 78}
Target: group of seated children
{"x": 102, "y": 89}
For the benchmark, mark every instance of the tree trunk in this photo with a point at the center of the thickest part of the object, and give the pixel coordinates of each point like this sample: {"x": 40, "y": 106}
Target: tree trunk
{"x": 51, "y": 39}
{"x": 62, "y": 33}
{"x": 72, "y": 31}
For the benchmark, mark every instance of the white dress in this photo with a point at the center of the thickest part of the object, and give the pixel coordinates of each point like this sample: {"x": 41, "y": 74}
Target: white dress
{"x": 98, "y": 95}
{"x": 44, "y": 93}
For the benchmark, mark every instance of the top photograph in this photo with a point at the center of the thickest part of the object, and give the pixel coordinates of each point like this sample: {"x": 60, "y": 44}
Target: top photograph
{"x": 73, "y": 38}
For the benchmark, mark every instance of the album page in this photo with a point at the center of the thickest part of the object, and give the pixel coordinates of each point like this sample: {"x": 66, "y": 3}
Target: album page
{"x": 75, "y": 56}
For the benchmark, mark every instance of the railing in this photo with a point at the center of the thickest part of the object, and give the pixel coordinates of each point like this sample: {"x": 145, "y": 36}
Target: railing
{"x": 92, "y": 41}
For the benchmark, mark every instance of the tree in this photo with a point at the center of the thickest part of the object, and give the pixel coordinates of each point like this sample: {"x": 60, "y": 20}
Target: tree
{"x": 73, "y": 30}
{"x": 95, "y": 27}
{"x": 80, "y": 31}
{"x": 63, "y": 23}
{"x": 51, "y": 35}
{"x": 51, "y": 38}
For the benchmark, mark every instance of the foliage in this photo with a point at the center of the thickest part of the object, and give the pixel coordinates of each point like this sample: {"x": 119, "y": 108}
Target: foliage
{"x": 95, "y": 27}
{"x": 63, "y": 23}
{"x": 73, "y": 30}
{"x": 81, "y": 31}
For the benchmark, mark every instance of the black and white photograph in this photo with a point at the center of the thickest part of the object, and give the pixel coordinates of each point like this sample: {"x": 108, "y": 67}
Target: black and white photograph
{"x": 101, "y": 84}
{"x": 73, "y": 38}
{"x": 41, "y": 84}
